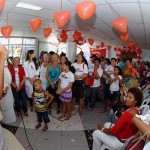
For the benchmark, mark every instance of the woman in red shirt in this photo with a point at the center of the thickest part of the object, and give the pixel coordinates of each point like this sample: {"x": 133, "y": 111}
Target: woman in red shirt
{"x": 114, "y": 136}
{"x": 18, "y": 85}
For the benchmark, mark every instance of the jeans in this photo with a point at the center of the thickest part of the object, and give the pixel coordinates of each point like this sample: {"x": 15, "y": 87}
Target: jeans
{"x": 100, "y": 138}
{"x": 91, "y": 94}
{"x": 112, "y": 117}
{"x": 42, "y": 116}
{"x": 21, "y": 95}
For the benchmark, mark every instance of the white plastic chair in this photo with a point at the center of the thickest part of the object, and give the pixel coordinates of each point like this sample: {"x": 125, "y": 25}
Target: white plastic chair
{"x": 146, "y": 93}
{"x": 146, "y": 102}
{"x": 144, "y": 109}
{"x": 122, "y": 148}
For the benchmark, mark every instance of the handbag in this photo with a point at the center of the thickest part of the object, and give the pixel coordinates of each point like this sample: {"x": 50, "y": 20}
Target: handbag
{"x": 89, "y": 80}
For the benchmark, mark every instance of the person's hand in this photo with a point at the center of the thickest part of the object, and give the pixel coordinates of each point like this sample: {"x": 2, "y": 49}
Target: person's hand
{"x": 3, "y": 53}
{"x": 77, "y": 77}
{"x": 18, "y": 88}
{"x": 46, "y": 106}
{"x": 100, "y": 126}
{"x": 53, "y": 86}
{"x": 58, "y": 92}
{"x": 6, "y": 88}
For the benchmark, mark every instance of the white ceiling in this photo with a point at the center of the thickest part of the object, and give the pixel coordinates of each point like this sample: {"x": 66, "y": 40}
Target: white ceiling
{"x": 98, "y": 27}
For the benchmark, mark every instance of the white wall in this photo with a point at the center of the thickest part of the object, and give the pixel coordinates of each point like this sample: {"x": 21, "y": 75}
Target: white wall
{"x": 145, "y": 55}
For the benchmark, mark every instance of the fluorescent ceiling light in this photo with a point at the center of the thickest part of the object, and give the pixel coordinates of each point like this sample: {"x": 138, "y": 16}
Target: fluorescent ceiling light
{"x": 28, "y": 6}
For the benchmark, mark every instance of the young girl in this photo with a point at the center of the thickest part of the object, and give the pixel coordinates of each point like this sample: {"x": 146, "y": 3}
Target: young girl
{"x": 31, "y": 75}
{"x": 114, "y": 82}
{"x": 81, "y": 72}
{"x": 65, "y": 83}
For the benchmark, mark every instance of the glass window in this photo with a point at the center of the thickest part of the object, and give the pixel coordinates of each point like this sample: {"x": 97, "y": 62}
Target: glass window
{"x": 15, "y": 50}
{"x": 3, "y": 41}
{"x": 15, "y": 41}
{"x": 29, "y": 41}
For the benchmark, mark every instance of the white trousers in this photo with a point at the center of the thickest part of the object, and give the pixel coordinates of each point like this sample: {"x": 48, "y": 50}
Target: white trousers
{"x": 100, "y": 138}
{"x": 2, "y": 140}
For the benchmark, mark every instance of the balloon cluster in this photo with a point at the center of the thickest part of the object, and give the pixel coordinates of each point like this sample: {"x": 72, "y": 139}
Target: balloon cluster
{"x": 71, "y": 36}
{"x": 124, "y": 49}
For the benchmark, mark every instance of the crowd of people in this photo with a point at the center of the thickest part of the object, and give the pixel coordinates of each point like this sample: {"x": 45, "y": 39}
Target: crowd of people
{"x": 55, "y": 78}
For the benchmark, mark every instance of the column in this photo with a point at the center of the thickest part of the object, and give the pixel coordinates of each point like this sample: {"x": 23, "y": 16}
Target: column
{"x": 71, "y": 51}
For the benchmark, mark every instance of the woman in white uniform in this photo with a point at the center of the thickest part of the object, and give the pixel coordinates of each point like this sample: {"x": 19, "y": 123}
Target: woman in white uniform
{"x": 7, "y": 102}
{"x": 31, "y": 74}
{"x": 43, "y": 69}
{"x": 3, "y": 56}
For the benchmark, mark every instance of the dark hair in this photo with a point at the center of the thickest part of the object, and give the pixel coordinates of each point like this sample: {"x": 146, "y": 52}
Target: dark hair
{"x": 71, "y": 68}
{"x": 51, "y": 52}
{"x": 120, "y": 71}
{"x": 37, "y": 80}
{"x": 114, "y": 59}
{"x": 62, "y": 54}
{"x": 97, "y": 59}
{"x": 108, "y": 61}
{"x": 138, "y": 95}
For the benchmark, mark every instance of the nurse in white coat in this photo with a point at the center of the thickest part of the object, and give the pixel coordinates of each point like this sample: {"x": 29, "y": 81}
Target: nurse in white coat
{"x": 31, "y": 74}
{"x": 7, "y": 102}
{"x": 3, "y": 56}
{"x": 43, "y": 69}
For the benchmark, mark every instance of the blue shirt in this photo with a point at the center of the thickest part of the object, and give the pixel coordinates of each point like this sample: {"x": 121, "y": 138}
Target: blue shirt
{"x": 53, "y": 74}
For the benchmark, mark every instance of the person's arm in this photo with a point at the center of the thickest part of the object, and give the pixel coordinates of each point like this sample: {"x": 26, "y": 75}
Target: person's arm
{"x": 3, "y": 56}
{"x": 47, "y": 74}
{"x": 104, "y": 130}
{"x": 141, "y": 126}
{"x": 51, "y": 97}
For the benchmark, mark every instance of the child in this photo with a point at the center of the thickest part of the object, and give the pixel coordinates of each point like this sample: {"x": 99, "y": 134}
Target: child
{"x": 41, "y": 103}
{"x": 66, "y": 80}
{"x": 114, "y": 81}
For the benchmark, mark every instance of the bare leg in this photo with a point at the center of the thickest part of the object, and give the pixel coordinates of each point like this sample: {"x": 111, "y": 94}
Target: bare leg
{"x": 63, "y": 111}
{"x": 68, "y": 111}
{"x": 81, "y": 106}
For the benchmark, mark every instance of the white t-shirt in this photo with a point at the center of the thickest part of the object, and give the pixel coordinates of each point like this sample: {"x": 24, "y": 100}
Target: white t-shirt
{"x": 17, "y": 77}
{"x": 147, "y": 146}
{"x": 115, "y": 85}
{"x": 66, "y": 78}
{"x": 90, "y": 65}
{"x": 110, "y": 70}
{"x": 100, "y": 73}
{"x": 80, "y": 69}
{"x": 42, "y": 72}
{"x": 148, "y": 74}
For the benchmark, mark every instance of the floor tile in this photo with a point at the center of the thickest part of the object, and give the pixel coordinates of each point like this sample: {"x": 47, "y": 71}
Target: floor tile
{"x": 74, "y": 138}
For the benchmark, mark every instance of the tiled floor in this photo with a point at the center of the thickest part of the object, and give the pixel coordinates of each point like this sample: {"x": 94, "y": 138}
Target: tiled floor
{"x": 74, "y": 134}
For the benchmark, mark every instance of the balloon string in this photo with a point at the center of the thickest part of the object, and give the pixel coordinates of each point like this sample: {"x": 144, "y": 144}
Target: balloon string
{"x": 54, "y": 44}
{"x": 7, "y": 19}
{"x": 60, "y": 5}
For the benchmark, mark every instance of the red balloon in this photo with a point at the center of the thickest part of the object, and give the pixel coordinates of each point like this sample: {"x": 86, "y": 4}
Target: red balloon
{"x": 85, "y": 9}
{"x": 108, "y": 47}
{"x": 139, "y": 51}
{"x": 81, "y": 38}
{"x": 102, "y": 44}
{"x": 131, "y": 44}
{"x": 47, "y": 32}
{"x": 91, "y": 41}
{"x": 124, "y": 37}
{"x": 115, "y": 49}
{"x": 76, "y": 36}
{"x": 61, "y": 18}
{"x": 6, "y": 31}
{"x": 121, "y": 24}
{"x": 35, "y": 24}
{"x": 2, "y": 3}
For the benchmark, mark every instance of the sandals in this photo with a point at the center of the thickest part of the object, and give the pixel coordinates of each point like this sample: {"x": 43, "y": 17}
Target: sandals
{"x": 37, "y": 126}
{"x": 45, "y": 128}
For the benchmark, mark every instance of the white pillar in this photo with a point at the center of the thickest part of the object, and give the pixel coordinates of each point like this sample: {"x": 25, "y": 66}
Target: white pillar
{"x": 71, "y": 51}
